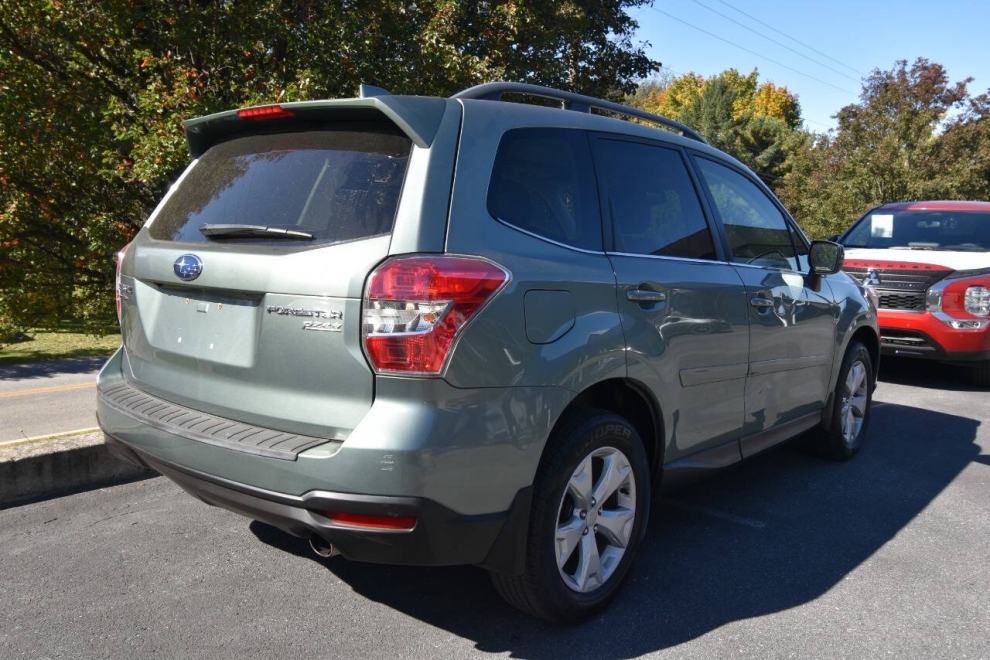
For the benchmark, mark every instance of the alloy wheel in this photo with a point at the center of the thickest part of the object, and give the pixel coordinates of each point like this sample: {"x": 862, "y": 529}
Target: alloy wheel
{"x": 595, "y": 519}
{"x": 854, "y": 401}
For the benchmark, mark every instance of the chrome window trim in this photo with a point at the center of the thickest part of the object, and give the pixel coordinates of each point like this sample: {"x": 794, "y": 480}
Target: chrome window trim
{"x": 668, "y": 257}
{"x": 780, "y": 270}
{"x": 545, "y": 239}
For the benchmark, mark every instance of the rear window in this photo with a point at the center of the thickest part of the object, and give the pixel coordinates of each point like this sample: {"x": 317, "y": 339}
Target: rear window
{"x": 336, "y": 185}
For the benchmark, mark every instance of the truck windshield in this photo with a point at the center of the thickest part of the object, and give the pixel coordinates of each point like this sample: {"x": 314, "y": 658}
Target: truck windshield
{"x": 922, "y": 230}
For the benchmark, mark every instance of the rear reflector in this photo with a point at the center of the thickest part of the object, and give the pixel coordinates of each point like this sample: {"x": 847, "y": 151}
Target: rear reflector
{"x": 371, "y": 522}
{"x": 264, "y": 112}
{"x": 415, "y": 306}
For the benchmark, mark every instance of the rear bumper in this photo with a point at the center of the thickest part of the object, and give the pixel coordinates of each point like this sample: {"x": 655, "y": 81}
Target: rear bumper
{"x": 460, "y": 461}
{"x": 440, "y": 537}
{"x": 923, "y": 335}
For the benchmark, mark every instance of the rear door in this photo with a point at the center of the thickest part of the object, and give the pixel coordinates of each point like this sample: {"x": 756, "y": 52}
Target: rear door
{"x": 792, "y": 326}
{"x": 264, "y": 327}
{"x": 682, "y": 307}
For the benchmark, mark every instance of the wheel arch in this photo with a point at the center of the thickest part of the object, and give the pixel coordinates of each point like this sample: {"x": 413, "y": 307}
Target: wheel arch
{"x": 867, "y": 336}
{"x": 632, "y": 401}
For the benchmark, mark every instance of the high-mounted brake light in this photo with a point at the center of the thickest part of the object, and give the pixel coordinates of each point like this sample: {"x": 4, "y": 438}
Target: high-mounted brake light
{"x": 116, "y": 287}
{"x": 264, "y": 112}
{"x": 415, "y": 306}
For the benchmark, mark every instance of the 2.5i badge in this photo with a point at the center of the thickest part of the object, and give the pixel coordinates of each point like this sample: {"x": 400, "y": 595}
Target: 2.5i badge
{"x": 324, "y": 326}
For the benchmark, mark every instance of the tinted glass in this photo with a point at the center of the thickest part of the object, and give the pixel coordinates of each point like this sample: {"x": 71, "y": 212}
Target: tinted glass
{"x": 655, "y": 207}
{"x": 758, "y": 233}
{"x": 543, "y": 182}
{"x": 922, "y": 230}
{"x": 338, "y": 186}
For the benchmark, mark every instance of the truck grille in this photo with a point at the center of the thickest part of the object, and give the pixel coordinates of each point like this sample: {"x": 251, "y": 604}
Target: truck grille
{"x": 900, "y": 289}
{"x": 914, "y": 302}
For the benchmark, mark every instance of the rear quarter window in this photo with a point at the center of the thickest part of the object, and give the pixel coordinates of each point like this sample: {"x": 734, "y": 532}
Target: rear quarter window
{"x": 336, "y": 185}
{"x": 543, "y": 182}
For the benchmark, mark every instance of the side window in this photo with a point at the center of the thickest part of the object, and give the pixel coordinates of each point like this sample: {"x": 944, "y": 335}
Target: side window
{"x": 654, "y": 205}
{"x": 758, "y": 233}
{"x": 543, "y": 182}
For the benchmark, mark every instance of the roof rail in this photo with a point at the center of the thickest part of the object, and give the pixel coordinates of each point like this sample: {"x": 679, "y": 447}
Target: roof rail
{"x": 570, "y": 101}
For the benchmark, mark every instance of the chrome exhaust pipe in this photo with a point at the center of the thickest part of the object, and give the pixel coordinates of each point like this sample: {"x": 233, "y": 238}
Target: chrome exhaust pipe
{"x": 321, "y": 547}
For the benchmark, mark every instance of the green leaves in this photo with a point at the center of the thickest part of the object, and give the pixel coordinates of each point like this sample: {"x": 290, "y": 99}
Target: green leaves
{"x": 913, "y": 135}
{"x": 93, "y": 94}
{"x": 756, "y": 123}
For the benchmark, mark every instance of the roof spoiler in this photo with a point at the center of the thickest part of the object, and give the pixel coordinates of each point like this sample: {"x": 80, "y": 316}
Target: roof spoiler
{"x": 417, "y": 116}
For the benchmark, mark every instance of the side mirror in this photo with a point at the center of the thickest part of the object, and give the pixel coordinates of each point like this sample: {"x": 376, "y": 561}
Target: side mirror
{"x": 826, "y": 257}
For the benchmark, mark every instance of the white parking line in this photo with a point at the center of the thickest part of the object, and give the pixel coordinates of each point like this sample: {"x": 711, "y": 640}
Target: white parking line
{"x": 714, "y": 513}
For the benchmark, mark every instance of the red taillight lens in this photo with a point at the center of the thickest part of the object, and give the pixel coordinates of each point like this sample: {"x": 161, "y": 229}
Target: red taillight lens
{"x": 116, "y": 287}
{"x": 415, "y": 306}
{"x": 264, "y": 112}
{"x": 371, "y": 522}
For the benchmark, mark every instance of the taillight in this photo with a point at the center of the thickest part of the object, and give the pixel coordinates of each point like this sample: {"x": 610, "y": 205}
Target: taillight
{"x": 415, "y": 306}
{"x": 264, "y": 112}
{"x": 116, "y": 287}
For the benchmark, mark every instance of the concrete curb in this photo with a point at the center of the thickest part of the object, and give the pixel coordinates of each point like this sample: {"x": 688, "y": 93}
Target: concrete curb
{"x": 59, "y": 465}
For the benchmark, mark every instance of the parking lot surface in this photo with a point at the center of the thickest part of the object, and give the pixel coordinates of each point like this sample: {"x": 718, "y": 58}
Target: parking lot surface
{"x": 784, "y": 556}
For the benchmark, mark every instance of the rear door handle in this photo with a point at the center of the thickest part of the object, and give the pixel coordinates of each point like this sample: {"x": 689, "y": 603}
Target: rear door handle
{"x": 761, "y": 303}
{"x": 644, "y": 295}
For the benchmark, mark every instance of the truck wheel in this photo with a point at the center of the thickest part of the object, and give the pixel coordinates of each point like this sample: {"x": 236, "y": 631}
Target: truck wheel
{"x": 591, "y": 503}
{"x": 841, "y": 437}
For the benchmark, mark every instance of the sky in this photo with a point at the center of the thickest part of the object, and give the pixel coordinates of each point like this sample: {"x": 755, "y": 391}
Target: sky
{"x": 851, "y": 39}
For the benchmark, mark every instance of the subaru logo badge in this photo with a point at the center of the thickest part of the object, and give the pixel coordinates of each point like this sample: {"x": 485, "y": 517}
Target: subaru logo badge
{"x": 188, "y": 267}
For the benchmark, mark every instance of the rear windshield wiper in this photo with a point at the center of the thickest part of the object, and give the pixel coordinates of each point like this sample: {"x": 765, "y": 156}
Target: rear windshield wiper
{"x": 252, "y": 231}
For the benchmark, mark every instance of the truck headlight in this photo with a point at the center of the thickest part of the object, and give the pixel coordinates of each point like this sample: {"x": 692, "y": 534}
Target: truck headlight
{"x": 977, "y": 301}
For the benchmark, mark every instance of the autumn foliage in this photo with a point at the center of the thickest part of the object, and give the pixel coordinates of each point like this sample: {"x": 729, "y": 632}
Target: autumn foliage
{"x": 93, "y": 94}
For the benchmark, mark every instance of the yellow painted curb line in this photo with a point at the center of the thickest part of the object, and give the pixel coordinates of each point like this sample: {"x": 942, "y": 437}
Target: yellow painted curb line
{"x": 45, "y": 390}
{"x": 42, "y": 438}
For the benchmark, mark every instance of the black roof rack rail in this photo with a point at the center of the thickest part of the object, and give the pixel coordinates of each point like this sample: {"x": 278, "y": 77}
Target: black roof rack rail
{"x": 493, "y": 91}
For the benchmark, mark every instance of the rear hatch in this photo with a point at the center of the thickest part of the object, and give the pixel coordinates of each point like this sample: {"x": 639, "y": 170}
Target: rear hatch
{"x": 242, "y": 294}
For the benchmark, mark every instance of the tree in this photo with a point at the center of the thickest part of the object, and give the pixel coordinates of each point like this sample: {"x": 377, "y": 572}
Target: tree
{"x": 93, "y": 93}
{"x": 673, "y": 96}
{"x": 711, "y": 112}
{"x": 757, "y": 123}
{"x": 913, "y": 135}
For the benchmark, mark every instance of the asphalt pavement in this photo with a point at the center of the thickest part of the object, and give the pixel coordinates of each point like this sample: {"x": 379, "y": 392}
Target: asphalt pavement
{"x": 783, "y": 556}
{"x": 48, "y": 397}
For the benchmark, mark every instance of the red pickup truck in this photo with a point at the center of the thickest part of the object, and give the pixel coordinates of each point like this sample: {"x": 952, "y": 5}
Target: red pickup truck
{"x": 929, "y": 263}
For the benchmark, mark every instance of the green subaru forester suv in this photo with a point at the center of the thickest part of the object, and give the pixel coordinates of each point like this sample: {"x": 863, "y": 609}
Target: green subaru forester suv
{"x": 461, "y": 330}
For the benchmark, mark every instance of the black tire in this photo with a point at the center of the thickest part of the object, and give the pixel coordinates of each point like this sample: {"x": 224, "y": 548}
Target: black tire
{"x": 541, "y": 590}
{"x": 981, "y": 374}
{"x": 828, "y": 440}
